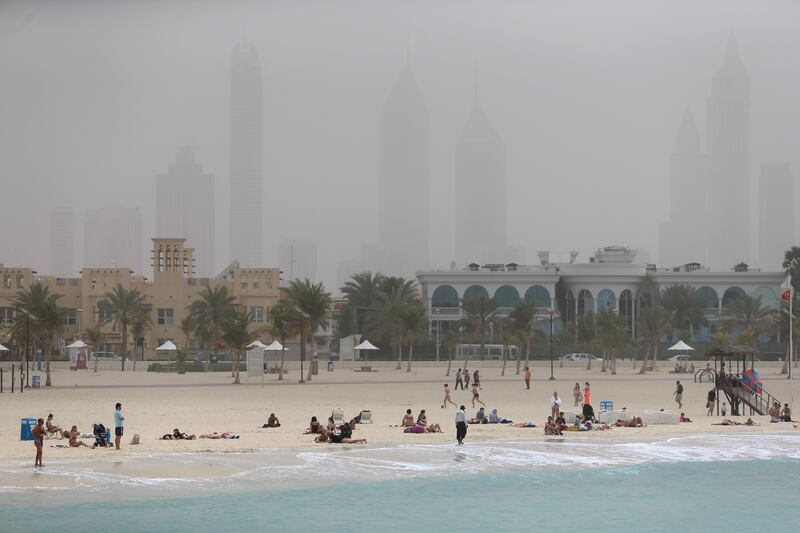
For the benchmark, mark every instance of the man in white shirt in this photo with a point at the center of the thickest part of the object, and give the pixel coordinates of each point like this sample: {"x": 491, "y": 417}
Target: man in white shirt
{"x": 461, "y": 424}
{"x": 555, "y": 405}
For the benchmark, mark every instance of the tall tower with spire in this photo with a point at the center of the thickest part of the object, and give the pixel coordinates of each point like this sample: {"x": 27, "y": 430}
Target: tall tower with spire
{"x": 246, "y": 156}
{"x": 730, "y": 232}
{"x": 683, "y": 236}
{"x": 481, "y": 192}
{"x": 404, "y": 179}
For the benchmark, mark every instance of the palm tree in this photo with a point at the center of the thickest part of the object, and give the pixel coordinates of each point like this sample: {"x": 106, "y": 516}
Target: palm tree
{"x": 360, "y": 294}
{"x": 44, "y": 320}
{"x": 613, "y": 335}
{"x": 791, "y": 265}
{"x": 284, "y": 321}
{"x": 483, "y": 312}
{"x": 746, "y": 312}
{"x": 314, "y": 303}
{"x": 237, "y": 336}
{"x": 95, "y": 336}
{"x": 386, "y": 319}
{"x": 209, "y": 313}
{"x": 141, "y": 323}
{"x": 523, "y": 317}
{"x": 124, "y": 307}
{"x": 654, "y": 323}
{"x": 687, "y": 306}
{"x": 450, "y": 342}
{"x": 506, "y": 330}
{"x": 415, "y": 321}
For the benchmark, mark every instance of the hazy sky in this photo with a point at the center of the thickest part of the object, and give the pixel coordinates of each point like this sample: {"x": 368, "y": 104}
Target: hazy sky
{"x": 96, "y": 97}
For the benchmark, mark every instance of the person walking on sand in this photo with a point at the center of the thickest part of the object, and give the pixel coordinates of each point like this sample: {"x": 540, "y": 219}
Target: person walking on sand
{"x": 476, "y": 396}
{"x": 466, "y": 378}
{"x": 527, "y": 376}
{"x": 38, "y": 441}
{"x": 461, "y": 424}
{"x": 476, "y": 379}
{"x": 447, "y": 397}
{"x": 587, "y": 394}
{"x": 577, "y": 395}
{"x": 678, "y": 394}
{"x": 118, "y": 424}
{"x": 459, "y": 380}
{"x": 712, "y": 397}
{"x": 555, "y": 405}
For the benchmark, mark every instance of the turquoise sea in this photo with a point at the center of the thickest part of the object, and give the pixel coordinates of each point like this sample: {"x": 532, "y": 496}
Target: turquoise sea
{"x": 680, "y": 491}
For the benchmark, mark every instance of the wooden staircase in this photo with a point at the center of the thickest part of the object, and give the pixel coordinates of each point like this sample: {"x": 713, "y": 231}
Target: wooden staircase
{"x": 758, "y": 401}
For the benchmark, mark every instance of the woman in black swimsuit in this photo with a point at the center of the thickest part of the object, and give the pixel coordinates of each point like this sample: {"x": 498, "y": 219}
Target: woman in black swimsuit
{"x": 38, "y": 441}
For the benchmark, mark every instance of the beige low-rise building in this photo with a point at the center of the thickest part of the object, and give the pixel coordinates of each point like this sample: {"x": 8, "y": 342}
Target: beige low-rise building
{"x": 171, "y": 291}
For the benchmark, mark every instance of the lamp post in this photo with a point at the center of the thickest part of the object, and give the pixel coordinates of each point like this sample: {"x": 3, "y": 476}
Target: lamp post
{"x": 552, "y": 377}
{"x": 438, "y": 325}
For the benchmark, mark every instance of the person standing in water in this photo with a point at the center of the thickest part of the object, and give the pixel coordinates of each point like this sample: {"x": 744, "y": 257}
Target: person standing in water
{"x": 38, "y": 441}
{"x": 461, "y": 424}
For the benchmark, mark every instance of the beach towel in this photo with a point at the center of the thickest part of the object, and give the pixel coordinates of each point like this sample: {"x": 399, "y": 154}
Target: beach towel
{"x": 416, "y": 428}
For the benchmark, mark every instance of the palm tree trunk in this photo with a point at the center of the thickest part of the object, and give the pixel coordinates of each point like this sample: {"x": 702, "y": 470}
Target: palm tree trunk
{"x": 236, "y": 368}
{"x": 310, "y": 353}
{"x": 283, "y": 343}
{"x": 614, "y": 365}
{"x": 399, "y": 355}
{"x": 519, "y": 359}
{"x": 483, "y": 342}
{"x": 503, "y": 371}
{"x": 646, "y": 357}
{"x": 603, "y": 364}
{"x": 528, "y": 351}
{"x": 449, "y": 360}
{"x": 124, "y": 340}
{"x": 410, "y": 355}
{"x": 47, "y": 382}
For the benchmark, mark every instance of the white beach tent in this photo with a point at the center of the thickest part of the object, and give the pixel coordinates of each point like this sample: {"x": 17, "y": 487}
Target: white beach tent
{"x": 276, "y": 346}
{"x": 74, "y": 351}
{"x": 168, "y": 346}
{"x": 680, "y": 346}
{"x": 365, "y": 345}
{"x": 3, "y": 348}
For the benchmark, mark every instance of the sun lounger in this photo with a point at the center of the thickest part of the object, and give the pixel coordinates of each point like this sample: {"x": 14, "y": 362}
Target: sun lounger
{"x": 338, "y": 416}
{"x": 570, "y": 416}
{"x": 365, "y": 417}
{"x": 660, "y": 418}
{"x": 611, "y": 417}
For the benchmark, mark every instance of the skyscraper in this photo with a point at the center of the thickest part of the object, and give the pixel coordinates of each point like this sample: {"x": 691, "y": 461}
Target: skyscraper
{"x": 404, "y": 187}
{"x": 298, "y": 259}
{"x": 776, "y": 214}
{"x": 481, "y": 193}
{"x": 683, "y": 236}
{"x": 729, "y": 238}
{"x": 246, "y": 173}
{"x": 62, "y": 242}
{"x": 185, "y": 208}
{"x": 112, "y": 237}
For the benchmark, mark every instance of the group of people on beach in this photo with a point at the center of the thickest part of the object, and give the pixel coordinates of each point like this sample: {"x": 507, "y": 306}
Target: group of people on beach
{"x": 49, "y": 428}
{"x": 332, "y": 433}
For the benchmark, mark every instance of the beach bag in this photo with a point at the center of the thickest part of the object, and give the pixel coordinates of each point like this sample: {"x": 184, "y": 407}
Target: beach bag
{"x": 135, "y": 439}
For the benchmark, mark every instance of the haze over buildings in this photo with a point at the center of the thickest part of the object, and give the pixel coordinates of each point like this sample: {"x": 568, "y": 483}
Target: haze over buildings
{"x": 777, "y": 213}
{"x": 112, "y": 238}
{"x": 185, "y": 208}
{"x": 309, "y": 132}
{"x": 298, "y": 259}
{"x": 62, "y": 242}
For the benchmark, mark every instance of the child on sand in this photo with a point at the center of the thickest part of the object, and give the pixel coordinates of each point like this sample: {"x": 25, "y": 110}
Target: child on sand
{"x": 447, "y": 397}
{"x": 577, "y": 394}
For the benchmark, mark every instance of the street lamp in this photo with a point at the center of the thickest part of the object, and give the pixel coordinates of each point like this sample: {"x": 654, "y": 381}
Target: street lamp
{"x": 551, "y": 312}
{"x": 438, "y": 326}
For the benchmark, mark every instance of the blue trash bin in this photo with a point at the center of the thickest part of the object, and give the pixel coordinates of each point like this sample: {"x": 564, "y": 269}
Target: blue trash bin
{"x": 330, "y": 366}
{"x": 36, "y": 382}
{"x": 26, "y": 432}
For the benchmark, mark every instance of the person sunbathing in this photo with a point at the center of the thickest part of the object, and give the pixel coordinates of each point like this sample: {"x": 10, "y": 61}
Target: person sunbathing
{"x": 314, "y": 426}
{"x": 480, "y": 417}
{"x": 336, "y": 438}
{"x": 178, "y": 435}
{"x": 728, "y": 422}
{"x": 51, "y": 428}
{"x": 331, "y": 425}
{"x": 217, "y": 435}
{"x": 408, "y": 419}
{"x": 495, "y": 418}
{"x": 73, "y": 438}
{"x": 635, "y": 422}
{"x": 684, "y": 418}
{"x": 526, "y": 424}
{"x": 272, "y": 422}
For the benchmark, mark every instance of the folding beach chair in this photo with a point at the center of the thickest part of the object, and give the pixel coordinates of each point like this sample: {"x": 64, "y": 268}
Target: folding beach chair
{"x": 365, "y": 417}
{"x": 338, "y": 416}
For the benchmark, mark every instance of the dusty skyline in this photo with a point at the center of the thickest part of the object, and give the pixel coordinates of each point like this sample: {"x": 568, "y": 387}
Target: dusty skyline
{"x": 96, "y": 99}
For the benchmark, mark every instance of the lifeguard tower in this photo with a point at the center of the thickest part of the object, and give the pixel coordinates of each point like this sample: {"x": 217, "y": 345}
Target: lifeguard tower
{"x": 737, "y": 379}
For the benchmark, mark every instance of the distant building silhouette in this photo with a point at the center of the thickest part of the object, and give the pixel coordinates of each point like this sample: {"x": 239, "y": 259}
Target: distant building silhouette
{"x": 298, "y": 259}
{"x": 113, "y": 238}
{"x": 776, "y": 214}
{"x": 481, "y": 211}
{"x": 246, "y": 156}
{"x": 185, "y": 208}
{"x": 62, "y": 242}
{"x": 404, "y": 179}
{"x": 683, "y": 236}
{"x": 730, "y": 232}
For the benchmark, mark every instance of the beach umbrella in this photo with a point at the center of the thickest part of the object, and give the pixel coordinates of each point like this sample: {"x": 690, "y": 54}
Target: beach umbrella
{"x": 680, "y": 346}
{"x": 257, "y": 344}
{"x": 168, "y": 346}
{"x": 366, "y": 345}
{"x": 78, "y": 344}
{"x": 275, "y": 346}
{"x": 3, "y": 348}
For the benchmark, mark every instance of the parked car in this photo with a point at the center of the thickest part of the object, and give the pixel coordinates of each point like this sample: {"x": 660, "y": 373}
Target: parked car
{"x": 772, "y": 356}
{"x": 679, "y": 358}
{"x": 580, "y": 357}
{"x": 103, "y": 356}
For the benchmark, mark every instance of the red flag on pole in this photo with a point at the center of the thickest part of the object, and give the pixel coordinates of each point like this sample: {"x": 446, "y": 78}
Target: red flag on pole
{"x": 786, "y": 295}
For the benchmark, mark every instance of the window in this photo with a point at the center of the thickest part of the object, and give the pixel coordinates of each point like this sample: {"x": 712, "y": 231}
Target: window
{"x": 71, "y": 318}
{"x": 244, "y": 284}
{"x": 61, "y": 282}
{"x": 94, "y": 283}
{"x": 256, "y": 284}
{"x": 20, "y": 282}
{"x": 7, "y": 282}
{"x": 257, "y": 313}
{"x": 165, "y": 317}
{"x": 103, "y": 313}
{"x": 6, "y": 315}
